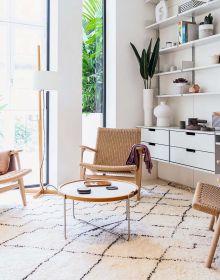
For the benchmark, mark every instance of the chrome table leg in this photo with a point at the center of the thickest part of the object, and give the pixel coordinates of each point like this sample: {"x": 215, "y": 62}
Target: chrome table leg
{"x": 128, "y": 216}
{"x": 64, "y": 208}
{"x": 73, "y": 209}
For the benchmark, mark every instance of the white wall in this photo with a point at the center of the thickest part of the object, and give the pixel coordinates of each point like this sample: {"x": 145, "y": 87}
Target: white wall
{"x": 125, "y": 23}
{"x": 184, "y": 108}
{"x": 65, "y": 108}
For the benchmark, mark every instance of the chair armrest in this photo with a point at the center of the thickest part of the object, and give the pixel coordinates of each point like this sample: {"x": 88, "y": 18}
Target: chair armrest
{"x": 140, "y": 150}
{"x": 88, "y": 148}
{"x": 83, "y": 149}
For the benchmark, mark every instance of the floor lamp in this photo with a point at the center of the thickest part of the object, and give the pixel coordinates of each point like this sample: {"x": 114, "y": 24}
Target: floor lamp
{"x": 43, "y": 81}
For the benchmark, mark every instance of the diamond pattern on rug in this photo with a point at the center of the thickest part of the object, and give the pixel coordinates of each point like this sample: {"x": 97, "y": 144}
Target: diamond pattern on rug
{"x": 169, "y": 240}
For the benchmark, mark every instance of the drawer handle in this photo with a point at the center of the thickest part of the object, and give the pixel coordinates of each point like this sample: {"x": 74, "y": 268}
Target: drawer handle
{"x": 152, "y": 144}
{"x": 190, "y": 133}
{"x": 190, "y": 150}
{"x": 151, "y": 129}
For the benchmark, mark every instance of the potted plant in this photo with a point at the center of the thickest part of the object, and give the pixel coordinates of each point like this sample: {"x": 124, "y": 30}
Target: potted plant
{"x": 181, "y": 85}
{"x": 206, "y": 28}
{"x": 148, "y": 62}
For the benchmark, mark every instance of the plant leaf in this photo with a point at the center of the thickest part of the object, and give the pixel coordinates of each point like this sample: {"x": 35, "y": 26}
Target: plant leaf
{"x": 154, "y": 59}
{"x": 148, "y": 55}
{"x": 136, "y": 53}
{"x": 143, "y": 65}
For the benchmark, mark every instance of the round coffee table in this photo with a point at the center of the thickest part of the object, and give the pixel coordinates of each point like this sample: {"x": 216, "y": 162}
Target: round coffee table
{"x": 125, "y": 191}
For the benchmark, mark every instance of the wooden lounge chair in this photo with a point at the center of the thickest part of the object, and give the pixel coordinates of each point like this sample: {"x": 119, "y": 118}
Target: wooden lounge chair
{"x": 112, "y": 150}
{"x": 207, "y": 200}
{"x": 14, "y": 178}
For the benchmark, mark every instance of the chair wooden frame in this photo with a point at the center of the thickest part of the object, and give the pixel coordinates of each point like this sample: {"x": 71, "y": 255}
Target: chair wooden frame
{"x": 14, "y": 179}
{"x": 215, "y": 219}
{"x": 134, "y": 172}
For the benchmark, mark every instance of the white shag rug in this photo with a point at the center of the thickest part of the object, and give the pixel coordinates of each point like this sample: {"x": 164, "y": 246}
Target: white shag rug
{"x": 169, "y": 239}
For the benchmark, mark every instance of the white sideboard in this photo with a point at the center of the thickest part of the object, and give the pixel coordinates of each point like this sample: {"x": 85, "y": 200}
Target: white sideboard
{"x": 193, "y": 149}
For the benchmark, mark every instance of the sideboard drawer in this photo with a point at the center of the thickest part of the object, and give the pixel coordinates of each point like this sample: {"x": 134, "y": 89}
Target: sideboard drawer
{"x": 193, "y": 140}
{"x": 193, "y": 158}
{"x": 158, "y": 151}
{"x": 158, "y": 136}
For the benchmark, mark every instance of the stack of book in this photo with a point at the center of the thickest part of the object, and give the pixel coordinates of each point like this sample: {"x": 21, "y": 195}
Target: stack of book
{"x": 187, "y": 31}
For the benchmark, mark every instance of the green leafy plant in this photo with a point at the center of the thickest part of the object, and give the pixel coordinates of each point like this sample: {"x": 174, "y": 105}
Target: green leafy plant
{"x": 207, "y": 20}
{"x": 180, "y": 81}
{"x": 148, "y": 62}
{"x": 92, "y": 56}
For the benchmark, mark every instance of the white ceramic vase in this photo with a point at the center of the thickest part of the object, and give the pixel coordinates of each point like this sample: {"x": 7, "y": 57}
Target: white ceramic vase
{"x": 161, "y": 11}
{"x": 163, "y": 114}
{"x": 148, "y": 100}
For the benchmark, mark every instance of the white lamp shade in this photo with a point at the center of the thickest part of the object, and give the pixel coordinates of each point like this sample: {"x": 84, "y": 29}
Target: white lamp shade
{"x": 45, "y": 80}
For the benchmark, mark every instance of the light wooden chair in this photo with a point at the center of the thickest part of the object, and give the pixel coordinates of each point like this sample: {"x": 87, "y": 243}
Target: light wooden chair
{"x": 14, "y": 178}
{"x": 112, "y": 150}
{"x": 207, "y": 199}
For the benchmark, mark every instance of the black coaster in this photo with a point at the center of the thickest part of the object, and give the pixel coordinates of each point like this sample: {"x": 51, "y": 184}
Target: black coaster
{"x": 112, "y": 188}
{"x": 84, "y": 190}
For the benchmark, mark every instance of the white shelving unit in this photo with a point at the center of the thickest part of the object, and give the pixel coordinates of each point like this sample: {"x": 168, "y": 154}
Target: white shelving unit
{"x": 211, "y": 66}
{"x": 195, "y": 43}
{"x": 189, "y": 15}
{"x": 187, "y": 94}
{"x": 207, "y": 7}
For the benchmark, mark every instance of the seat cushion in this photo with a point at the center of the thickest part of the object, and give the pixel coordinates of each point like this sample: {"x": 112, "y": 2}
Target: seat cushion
{"x": 207, "y": 199}
{"x": 4, "y": 162}
{"x": 115, "y": 169}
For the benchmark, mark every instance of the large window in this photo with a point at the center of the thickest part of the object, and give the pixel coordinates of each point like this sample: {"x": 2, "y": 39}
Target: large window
{"x": 22, "y": 28}
{"x": 93, "y": 68}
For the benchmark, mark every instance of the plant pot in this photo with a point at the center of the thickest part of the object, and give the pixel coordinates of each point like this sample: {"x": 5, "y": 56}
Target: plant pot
{"x": 163, "y": 114}
{"x": 206, "y": 30}
{"x": 148, "y": 100}
{"x": 180, "y": 88}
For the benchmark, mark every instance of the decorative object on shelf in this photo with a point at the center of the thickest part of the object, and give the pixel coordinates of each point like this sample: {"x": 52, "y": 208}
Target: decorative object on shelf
{"x": 206, "y": 28}
{"x": 216, "y": 120}
{"x": 195, "y": 124}
{"x": 215, "y": 59}
{"x": 187, "y": 64}
{"x": 189, "y": 5}
{"x": 187, "y": 31}
{"x": 166, "y": 68}
{"x": 206, "y": 128}
{"x": 194, "y": 88}
{"x": 180, "y": 86}
{"x": 148, "y": 62}
{"x": 173, "y": 68}
{"x": 182, "y": 125}
{"x": 163, "y": 114}
{"x": 161, "y": 11}
{"x": 169, "y": 44}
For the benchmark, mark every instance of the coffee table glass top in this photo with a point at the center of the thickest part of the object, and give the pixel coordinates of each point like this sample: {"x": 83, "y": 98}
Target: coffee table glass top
{"x": 99, "y": 194}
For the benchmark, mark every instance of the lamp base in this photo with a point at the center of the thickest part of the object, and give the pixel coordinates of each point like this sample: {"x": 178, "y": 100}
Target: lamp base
{"x": 41, "y": 191}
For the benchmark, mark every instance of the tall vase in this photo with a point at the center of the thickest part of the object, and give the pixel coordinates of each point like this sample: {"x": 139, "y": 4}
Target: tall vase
{"x": 148, "y": 100}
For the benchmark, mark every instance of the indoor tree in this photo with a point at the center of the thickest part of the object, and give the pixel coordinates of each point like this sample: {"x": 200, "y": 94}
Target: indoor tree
{"x": 92, "y": 55}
